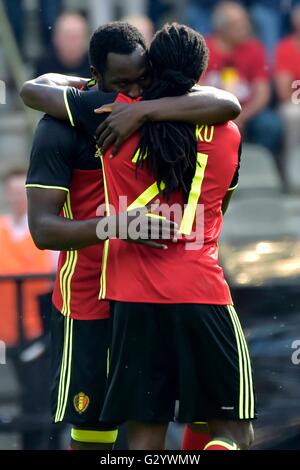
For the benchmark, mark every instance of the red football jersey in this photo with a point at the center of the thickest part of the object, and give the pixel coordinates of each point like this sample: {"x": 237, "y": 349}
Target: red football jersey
{"x": 76, "y": 286}
{"x": 238, "y": 70}
{"x": 288, "y": 58}
{"x": 188, "y": 272}
{"x": 64, "y": 159}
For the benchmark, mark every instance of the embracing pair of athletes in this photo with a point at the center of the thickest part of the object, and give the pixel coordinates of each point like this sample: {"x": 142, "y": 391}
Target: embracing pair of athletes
{"x": 173, "y": 334}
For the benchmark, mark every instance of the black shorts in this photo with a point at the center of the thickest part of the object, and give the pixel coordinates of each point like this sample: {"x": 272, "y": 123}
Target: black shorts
{"x": 79, "y": 368}
{"x": 196, "y": 354}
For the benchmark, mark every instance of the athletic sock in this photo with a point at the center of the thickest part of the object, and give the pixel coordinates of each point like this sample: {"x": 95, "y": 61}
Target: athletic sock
{"x": 220, "y": 443}
{"x": 193, "y": 440}
{"x": 91, "y": 439}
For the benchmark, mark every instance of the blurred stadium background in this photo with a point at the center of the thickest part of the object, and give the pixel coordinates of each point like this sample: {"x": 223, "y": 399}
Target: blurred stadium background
{"x": 260, "y": 247}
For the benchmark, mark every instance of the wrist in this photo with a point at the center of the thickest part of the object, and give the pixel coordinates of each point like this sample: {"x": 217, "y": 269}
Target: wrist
{"x": 82, "y": 82}
{"x": 45, "y": 79}
{"x": 107, "y": 227}
{"x": 74, "y": 82}
{"x": 148, "y": 110}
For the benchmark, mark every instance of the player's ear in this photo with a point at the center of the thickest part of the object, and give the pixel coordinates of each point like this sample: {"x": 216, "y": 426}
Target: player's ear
{"x": 96, "y": 75}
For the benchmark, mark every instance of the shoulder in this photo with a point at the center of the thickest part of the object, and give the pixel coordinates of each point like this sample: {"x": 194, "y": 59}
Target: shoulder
{"x": 254, "y": 45}
{"x": 229, "y": 129}
{"x": 286, "y": 44}
{"x": 90, "y": 97}
{"x": 51, "y": 131}
{"x": 223, "y": 135}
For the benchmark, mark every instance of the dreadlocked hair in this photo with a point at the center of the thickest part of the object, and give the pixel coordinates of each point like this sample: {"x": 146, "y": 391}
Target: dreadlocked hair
{"x": 179, "y": 57}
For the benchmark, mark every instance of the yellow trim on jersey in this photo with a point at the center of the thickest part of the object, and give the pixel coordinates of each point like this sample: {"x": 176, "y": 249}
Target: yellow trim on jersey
{"x": 102, "y": 292}
{"x": 62, "y": 273}
{"x": 44, "y": 186}
{"x": 194, "y": 195}
{"x": 68, "y": 107}
{"x": 69, "y": 279}
{"x": 136, "y": 156}
{"x": 101, "y": 437}
{"x": 68, "y": 374}
{"x": 150, "y": 193}
{"x": 225, "y": 444}
{"x": 68, "y": 269}
{"x": 92, "y": 82}
{"x": 233, "y": 188}
{"x": 242, "y": 386}
{"x": 64, "y": 270}
{"x": 246, "y": 395}
{"x": 107, "y": 362}
{"x": 249, "y": 405}
{"x": 246, "y": 369}
{"x": 155, "y": 216}
{"x": 63, "y": 390}
{"x": 107, "y": 208}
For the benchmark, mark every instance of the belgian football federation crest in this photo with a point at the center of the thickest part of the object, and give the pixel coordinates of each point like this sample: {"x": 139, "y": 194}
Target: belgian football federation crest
{"x": 81, "y": 401}
{"x": 98, "y": 153}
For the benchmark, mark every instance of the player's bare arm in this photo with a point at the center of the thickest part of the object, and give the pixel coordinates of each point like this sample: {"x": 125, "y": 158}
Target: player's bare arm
{"x": 51, "y": 231}
{"x": 226, "y": 201}
{"x": 234, "y": 184}
{"x": 205, "y": 105}
{"x": 46, "y": 93}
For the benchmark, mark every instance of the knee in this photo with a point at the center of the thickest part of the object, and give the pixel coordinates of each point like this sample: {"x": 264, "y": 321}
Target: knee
{"x": 241, "y": 432}
{"x": 246, "y": 437}
{"x": 142, "y": 436}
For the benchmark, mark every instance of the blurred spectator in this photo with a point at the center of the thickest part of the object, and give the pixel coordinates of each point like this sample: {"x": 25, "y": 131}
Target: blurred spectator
{"x": 271, "y": 21}
{"x": 199, "y": 14}
{"x": 156, "y": 10}
{"x": 267, "y": 16}
{"x": 143, "y": 24}
{"x": 48, "y": 12}
{"x": 238, "y": 64}
{"x": 287, "y": 72}
{"x": 286, "y": 21}
{"x": 69, "y": 52}
{"x": 24, "y": 336}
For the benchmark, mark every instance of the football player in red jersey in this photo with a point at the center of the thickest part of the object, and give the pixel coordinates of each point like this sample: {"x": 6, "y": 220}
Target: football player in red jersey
{"x": 199, "y": 354}
{"x": 58, "y": 175}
